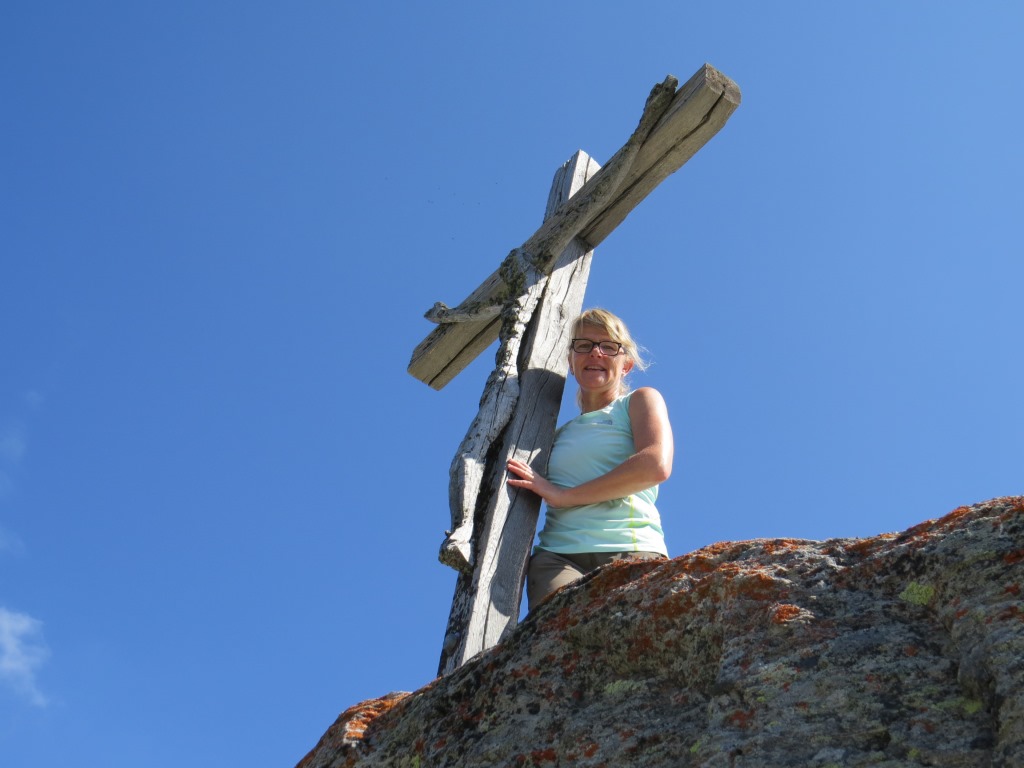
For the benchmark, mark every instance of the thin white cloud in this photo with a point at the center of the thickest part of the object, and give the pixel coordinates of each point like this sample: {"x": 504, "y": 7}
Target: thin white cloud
{"x": 22, "y": 653}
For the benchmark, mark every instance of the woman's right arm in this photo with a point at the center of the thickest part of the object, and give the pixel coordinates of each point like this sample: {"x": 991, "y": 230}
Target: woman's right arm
{"x": 650, "y": 465}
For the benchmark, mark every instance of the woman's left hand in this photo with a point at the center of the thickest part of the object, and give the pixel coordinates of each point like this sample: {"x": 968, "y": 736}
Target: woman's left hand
{"x": 525, "y": 477}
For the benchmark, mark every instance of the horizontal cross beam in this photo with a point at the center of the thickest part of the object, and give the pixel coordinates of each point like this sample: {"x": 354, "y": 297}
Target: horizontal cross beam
{"x": 674, "y": 126}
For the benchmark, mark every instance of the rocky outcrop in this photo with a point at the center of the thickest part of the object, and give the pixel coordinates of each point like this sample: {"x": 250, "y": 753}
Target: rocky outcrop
{"x": 900, "y": 650}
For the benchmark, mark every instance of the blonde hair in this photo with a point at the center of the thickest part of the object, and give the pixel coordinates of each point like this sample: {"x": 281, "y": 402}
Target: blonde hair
{"x": 616, "y": 329}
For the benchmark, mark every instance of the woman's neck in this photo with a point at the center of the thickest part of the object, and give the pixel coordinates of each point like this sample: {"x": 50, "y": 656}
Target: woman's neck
{"x": 595, "y": 401}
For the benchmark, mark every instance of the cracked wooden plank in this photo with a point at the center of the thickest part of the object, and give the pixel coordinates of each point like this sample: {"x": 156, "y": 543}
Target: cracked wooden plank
{"x": 673, "y": 127}
{"x": 493, "y": 523}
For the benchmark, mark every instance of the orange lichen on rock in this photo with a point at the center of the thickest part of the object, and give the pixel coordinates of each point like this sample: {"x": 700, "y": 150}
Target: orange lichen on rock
{"x": 1011, "y": 612}
{"x": 789, "y": 653}
{"x": 1014, "y": 504}
{"x": 752, "y": 583}
{"x": 350, "y": 727}
{"x": 869, "y": 546}
{"x": 780, "y": 614}
{"x": 741, "y": 718}
{"x": 1013, "y": 558}
{"x": 357, "y": 719}
{"x": 539, "y": 756}
{"x": 775, "y": 546}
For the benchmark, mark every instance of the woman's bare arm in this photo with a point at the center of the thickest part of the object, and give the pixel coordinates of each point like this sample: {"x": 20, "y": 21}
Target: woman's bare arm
{"x": 650, "y": 465}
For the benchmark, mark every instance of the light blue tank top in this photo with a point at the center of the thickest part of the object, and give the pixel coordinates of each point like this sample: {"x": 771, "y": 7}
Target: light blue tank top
{"x": 587, "y": 447}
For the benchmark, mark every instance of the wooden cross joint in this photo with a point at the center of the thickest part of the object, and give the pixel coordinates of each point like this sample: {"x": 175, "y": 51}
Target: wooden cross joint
{"x": 525, "y": 304}
{"x": 674, "y": 125}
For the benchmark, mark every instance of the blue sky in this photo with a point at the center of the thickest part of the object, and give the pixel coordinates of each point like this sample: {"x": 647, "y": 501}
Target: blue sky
{"x": 221, "y": 495}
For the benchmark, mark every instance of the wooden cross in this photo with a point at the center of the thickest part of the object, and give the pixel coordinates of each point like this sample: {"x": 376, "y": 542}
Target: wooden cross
{"x": 526, "y": 304}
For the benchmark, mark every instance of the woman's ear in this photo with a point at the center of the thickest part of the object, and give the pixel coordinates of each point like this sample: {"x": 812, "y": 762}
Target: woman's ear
{"x": 627, "y": 366}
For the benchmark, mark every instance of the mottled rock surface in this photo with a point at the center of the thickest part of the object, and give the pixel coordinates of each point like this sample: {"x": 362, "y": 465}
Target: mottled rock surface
{"x": 900, "y": 650}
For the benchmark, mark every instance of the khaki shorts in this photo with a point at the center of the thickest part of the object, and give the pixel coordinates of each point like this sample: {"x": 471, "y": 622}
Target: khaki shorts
{"x": 550, "y": 571}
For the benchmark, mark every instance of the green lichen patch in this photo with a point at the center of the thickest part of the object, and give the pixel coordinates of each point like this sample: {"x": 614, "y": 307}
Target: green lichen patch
{"x": 918, "y": 594}
{"x": 623, "y": 687}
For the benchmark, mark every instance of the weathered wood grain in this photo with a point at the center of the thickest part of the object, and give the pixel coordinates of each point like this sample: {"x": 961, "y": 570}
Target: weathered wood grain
{"x": 527, "y": 304}
{"x": 494, "y": 524}
{"x": 674, "y": 125}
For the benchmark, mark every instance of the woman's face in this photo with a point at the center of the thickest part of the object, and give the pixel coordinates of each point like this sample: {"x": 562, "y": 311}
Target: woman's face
{"x": 594, "y": 370}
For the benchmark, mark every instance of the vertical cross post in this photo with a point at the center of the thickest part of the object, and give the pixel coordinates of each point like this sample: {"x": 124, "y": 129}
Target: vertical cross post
{"x": 488, "y": 596}
{"x": 526, "y": 304}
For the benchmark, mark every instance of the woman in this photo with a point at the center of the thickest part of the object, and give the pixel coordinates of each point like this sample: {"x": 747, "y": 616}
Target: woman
{"x": 605, "y": 464}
